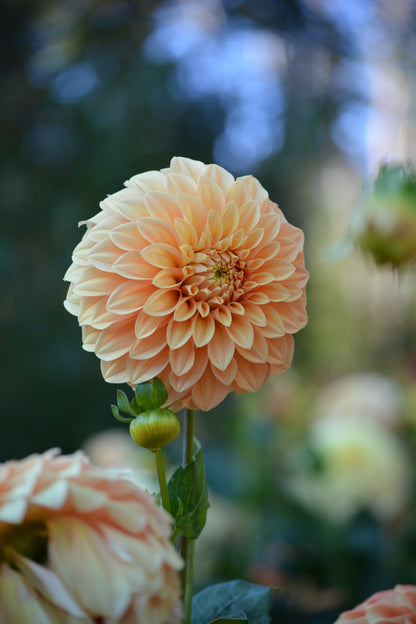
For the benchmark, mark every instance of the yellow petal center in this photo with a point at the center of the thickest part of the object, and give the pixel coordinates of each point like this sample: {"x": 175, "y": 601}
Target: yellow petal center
{"x": 215, "y": 277}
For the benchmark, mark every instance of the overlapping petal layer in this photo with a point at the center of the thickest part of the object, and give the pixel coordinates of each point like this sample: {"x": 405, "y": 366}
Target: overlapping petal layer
{"x": 396, "y": 605}
{"x": 192, "y": 276}
{"x": 82, "y": 544}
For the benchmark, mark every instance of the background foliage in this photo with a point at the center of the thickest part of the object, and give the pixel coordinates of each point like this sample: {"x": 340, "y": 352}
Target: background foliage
{"x": 310, "y": 96}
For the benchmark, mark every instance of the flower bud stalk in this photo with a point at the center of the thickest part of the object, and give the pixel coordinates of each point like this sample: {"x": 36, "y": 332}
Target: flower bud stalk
{"x": 161, "y": 474}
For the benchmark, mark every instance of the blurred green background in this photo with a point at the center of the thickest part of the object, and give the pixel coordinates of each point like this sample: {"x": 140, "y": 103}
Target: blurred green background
{"x": 308, "y": 95}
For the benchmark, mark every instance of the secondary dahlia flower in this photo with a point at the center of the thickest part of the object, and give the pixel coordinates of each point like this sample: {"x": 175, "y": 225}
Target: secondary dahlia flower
{"x": 82, "y": 544}
{"x": 362, "y": 466}
{"x": 396, "y": 605}
{"x": 191, "y": 276}
{"x": 363, "y": 396}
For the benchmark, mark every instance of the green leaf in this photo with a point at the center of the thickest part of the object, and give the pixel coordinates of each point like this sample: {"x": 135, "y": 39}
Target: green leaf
{"x": 188, "y": 497}
{"x": 234, "y": 617}
{"x": 234, "y": 599}
{"x": 229, "y": 620}
{"x": 116, "y": 414}
{"x": 124, "y": 404}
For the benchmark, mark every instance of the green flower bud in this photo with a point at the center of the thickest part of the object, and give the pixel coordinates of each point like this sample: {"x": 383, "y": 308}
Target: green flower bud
{"x": 384, "y": 224}
{"x": 154, "y": 429}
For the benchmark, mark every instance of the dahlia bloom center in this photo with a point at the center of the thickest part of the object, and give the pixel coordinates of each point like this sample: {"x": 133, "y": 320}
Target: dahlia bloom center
{"x": 214, "y": 279}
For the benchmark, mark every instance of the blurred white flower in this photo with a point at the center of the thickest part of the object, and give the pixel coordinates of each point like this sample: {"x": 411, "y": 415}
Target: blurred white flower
{"x": 347, "y": 466}
{"x": 361, "y": 396}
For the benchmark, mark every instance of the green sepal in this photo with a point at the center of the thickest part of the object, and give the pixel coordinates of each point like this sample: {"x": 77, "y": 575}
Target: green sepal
{"x": 396, "y": 179}
{"x": 124, "y": 404}
{"x": 151, "y": 395}
{"x": 135, "y": 406}
{"x": 188, "y": 497}
{"x": 116, "y": 414}
{"x": 232, "y": 602}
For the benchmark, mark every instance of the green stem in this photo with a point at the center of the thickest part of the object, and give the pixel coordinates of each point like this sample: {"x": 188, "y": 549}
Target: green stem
{"x": 186, "y": 547}
{"x": 164, "y": 494}
{"x": 190, "y": 581}
{"x": 189, "y": 429}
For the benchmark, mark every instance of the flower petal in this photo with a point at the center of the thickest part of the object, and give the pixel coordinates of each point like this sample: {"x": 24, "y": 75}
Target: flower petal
{"x": 145, "y": 348}
{"x": 220, "y": 176}
{"x": 148, "y": 181}
{"x": 94, "y": 282}
{"x": 127, "y": 237}
{"x": 293, "y": 315}
{"x": 241, "y": 332}
{"x": 162, "y": 206}
{"x": 249, "y": 378}
{"x": 132, "y": 207}
{"x": 202, "y": 329}
{"x": 182, "y": 359}
{"x": 209, "y": 392}
{"x": 214, "y": 225}
{"x": 281, "y": 350}
{"x": 212, "y": 195}
{"x": 129, "y": 297}
{"x": 147, "y": 325}
{"x": 186, "y": 232}
{"x": 133, "y": 266}
{"x": 140, "y": 371}
{"x": 180, "y": 183}
{"x": 178, "y": 333}
{"x": 221, "y": 348}
{"x": 185, "y": 381}
{"x": 255, "y": 314}
{"x": 114, "y": 371}
{"x": 275, "y": 326}
{"x": 115, "y": 340}
{"x": 193, "y": 210}
{"x": 98, "y": 585}
{"x": 226, "y": 376}
{"x": 185, "y": 309}
{"x": 258, "y": 353}
{"x": 168, "y": 278}
{"x": 104, "y": 254}
{"x": 187, "y": 166}
{"x": 157, "y": 231}
{"x": 47, "y": 584}
{"x": 162, "y": 302}
{"x": 162, "y": 255}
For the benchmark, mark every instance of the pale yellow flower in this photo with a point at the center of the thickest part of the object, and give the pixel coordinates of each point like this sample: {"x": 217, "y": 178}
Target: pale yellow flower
{"x": 191, "y": 276}
{"x": 357, "y": 466}
{"x": 82, "y": 544}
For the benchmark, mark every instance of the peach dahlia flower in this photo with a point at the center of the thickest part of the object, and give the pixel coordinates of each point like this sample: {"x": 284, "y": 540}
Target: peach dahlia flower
{"x": 397, "y": 606}
{"x": 81, "y": 544}
{"x": 191, "y": 276}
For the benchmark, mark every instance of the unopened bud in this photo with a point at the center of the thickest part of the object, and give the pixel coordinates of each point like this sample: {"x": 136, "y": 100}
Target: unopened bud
{"x": 155, "y": 428}
{"x": 384, "y": 224}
